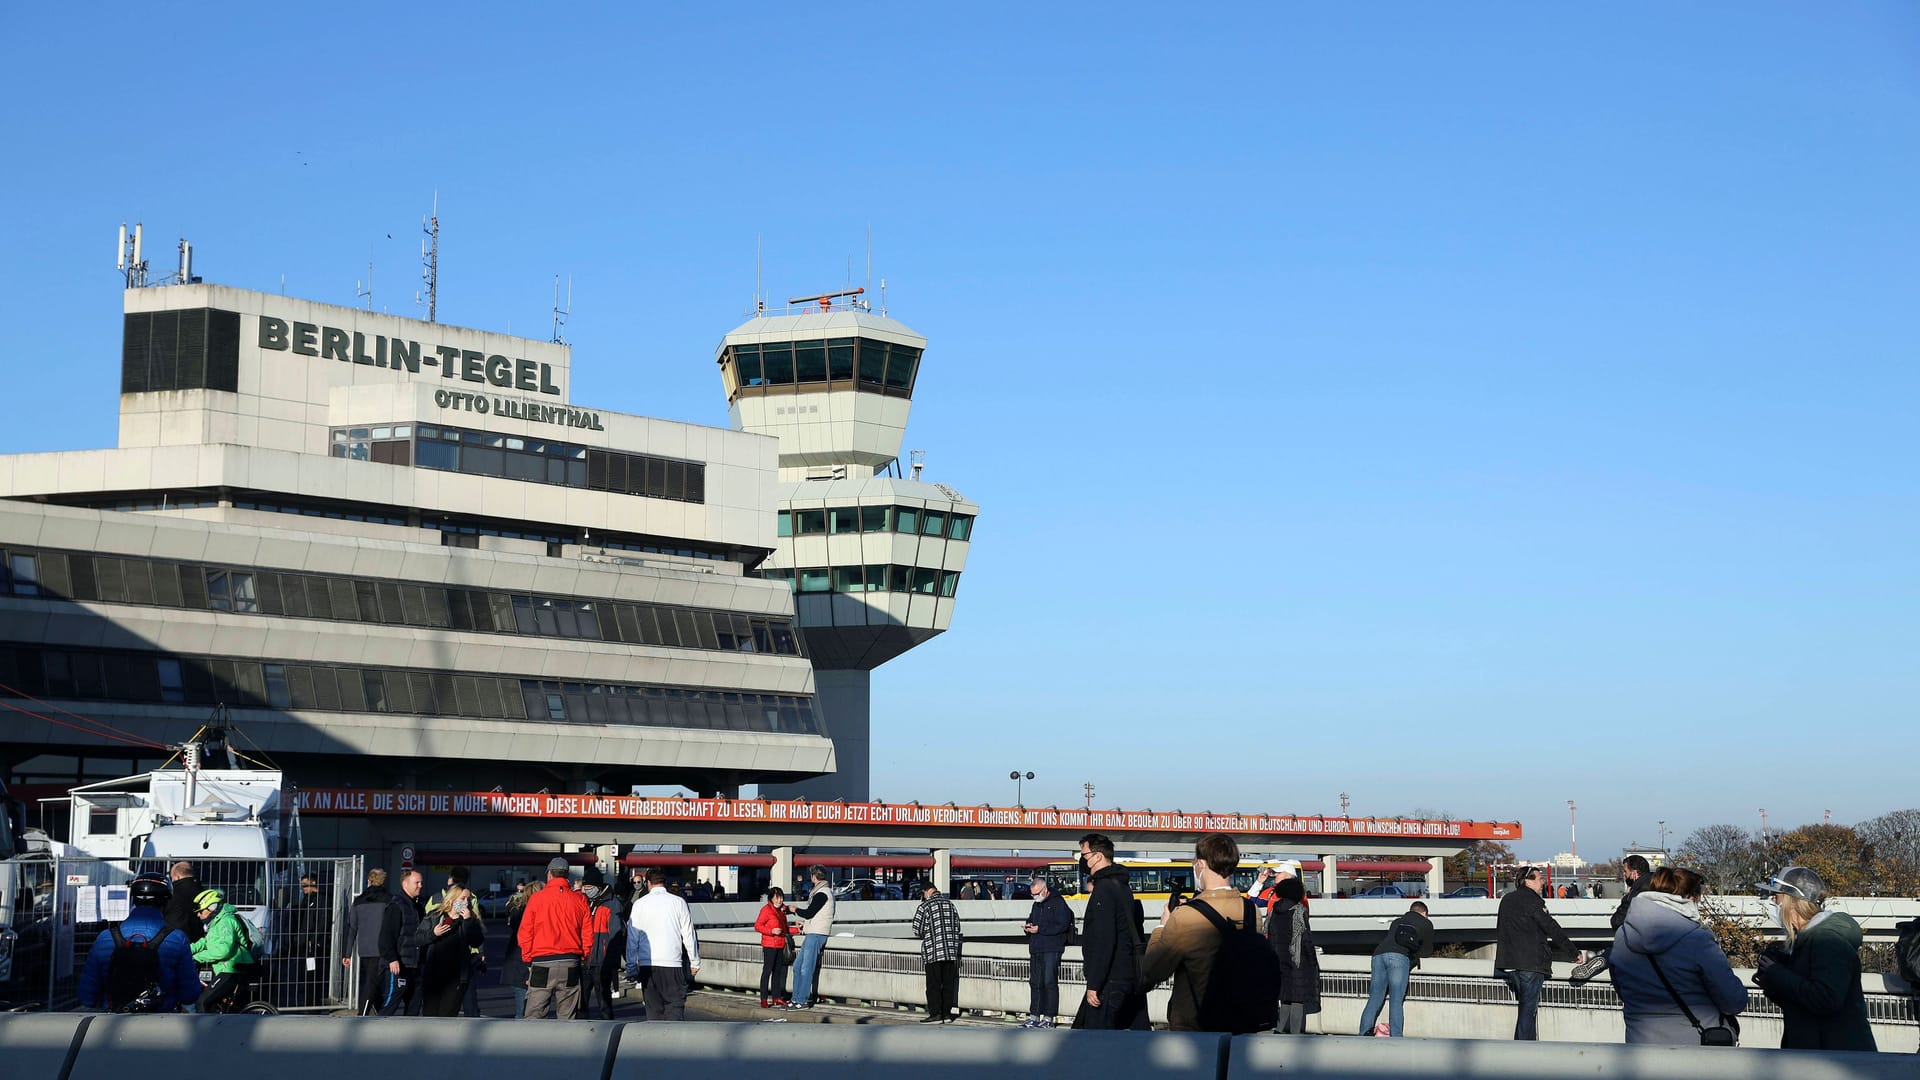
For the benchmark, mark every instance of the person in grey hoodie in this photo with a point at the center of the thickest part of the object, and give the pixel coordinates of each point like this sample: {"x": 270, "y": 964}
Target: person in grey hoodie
{"x": 1662, "y": 927}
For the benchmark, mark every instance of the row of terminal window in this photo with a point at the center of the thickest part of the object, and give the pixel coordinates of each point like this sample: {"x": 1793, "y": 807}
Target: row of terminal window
{"x": 144, "y": 678}
{"x": 514, "y": 457}
{"x": 852, "y": 579}
{"x": 75, "y": 576}
{"x": 876, "y": 519}
{"x": 453, "y": 533}
{"x": 876, "y": 366}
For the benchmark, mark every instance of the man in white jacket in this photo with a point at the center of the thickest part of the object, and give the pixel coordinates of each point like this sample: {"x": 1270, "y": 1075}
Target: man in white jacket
{"x": 661, "y": 952}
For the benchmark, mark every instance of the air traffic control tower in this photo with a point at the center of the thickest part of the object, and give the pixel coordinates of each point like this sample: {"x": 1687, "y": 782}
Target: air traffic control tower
{"x": 873, "y": 553}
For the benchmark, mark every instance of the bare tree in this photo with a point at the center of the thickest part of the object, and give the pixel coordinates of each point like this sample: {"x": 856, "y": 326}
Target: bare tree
{"x": 1726, "y": 855}
{"x": 1895, "y": 842}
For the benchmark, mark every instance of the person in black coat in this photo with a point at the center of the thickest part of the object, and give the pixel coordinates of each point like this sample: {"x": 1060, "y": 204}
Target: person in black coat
{"x": 183, "y": 913}
{"x": 446, "y": 941}
{"x": 1046, "y": 929}
{"x": 1110, "y": 944}
{"x": 1290, "y": 932}
{"x": 1526, "y": 939}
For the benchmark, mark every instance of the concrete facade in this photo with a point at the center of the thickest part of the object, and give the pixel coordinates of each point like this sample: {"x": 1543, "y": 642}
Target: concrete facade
{"x": 398, "y": 554}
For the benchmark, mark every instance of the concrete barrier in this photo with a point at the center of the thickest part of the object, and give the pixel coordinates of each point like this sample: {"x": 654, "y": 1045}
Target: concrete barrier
{"x": 73, "y": 1047}
{"x": 40, "y": 1044}
{"x": 931, "y": 1053}
{"x": 1252, "y": 1057}
{"x": 335, "y": 1048}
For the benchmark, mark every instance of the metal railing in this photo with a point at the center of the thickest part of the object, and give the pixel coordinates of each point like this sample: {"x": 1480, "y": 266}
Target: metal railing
{"x": 299, "y": 933}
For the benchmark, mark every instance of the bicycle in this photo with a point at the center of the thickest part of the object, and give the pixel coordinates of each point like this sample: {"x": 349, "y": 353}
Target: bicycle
{"x": 241, "y": 996}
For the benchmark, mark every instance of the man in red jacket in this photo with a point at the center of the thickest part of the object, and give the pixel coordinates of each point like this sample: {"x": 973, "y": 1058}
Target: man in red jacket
{"x": 556, "y": 933}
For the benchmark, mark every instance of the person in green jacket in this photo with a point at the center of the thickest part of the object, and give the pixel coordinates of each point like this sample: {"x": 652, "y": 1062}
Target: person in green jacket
{"x": 1815, "y": 978}
{"x": 227, "y": 947}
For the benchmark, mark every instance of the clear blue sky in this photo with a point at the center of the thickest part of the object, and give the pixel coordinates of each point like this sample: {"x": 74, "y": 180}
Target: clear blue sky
{"x": 1469, "y": 409}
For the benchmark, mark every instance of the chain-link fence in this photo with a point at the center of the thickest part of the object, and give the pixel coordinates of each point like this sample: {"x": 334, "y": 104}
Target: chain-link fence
{"x": 296, "y": 913}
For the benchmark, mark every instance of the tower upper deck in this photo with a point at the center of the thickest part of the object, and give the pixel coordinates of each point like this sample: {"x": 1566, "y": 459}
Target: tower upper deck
{"x": 834, "y": 386}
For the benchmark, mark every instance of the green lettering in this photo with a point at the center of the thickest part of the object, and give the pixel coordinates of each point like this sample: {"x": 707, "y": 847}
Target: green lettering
{"x": 333, "y": 343}
{"x": 523, "y": 375}
{"x": 305, "y": 334}
{"x": 273, "y": 333}
{"x": 405, "y": 352}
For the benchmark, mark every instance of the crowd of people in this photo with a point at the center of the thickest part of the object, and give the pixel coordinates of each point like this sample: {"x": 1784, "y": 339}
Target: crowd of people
{"x": 1229, "y": 968}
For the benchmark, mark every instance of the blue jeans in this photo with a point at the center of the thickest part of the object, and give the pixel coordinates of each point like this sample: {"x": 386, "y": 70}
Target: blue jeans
{"x": 1526, "y": 987}
{"x": 1043, "y": 985}
{"x": 1390, "y": 973}
{"x": 806, "y": 966}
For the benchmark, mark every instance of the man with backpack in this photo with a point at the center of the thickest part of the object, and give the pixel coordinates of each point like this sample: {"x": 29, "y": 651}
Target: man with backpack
{"x": 1226, "y": 977}
{"x": 1399, "y": 952}
{"x": 1110, "y": 944}
{"x": 140, "y": 964}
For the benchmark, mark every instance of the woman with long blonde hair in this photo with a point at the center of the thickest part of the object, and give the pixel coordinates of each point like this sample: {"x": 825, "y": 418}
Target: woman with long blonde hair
{"x": 446, "y": 945}
{"x": 1815, "y": 977}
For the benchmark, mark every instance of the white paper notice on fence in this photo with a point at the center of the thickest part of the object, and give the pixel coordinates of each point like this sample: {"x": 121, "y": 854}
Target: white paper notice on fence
{"x": 116, "y": 902}
{"x": 86, "y": 904}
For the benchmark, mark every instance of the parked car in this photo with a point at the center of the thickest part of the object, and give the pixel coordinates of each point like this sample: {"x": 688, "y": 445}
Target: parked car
{"x": 1378, "y": 891}
{"x": 1469, "y": 892}
{"x": 869, "y": 889}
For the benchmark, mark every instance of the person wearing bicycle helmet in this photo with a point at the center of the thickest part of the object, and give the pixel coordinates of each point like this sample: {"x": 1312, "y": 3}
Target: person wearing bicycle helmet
{"x": 141, "y": 964}
{"x": 227, "y": 947}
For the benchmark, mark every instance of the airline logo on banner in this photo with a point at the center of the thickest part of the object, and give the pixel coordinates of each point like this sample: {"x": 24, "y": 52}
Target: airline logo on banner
{"x": 781, "y": 811}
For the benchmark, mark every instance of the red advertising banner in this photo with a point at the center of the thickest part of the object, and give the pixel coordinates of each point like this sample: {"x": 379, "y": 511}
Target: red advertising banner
{"x": 902, "y": 815}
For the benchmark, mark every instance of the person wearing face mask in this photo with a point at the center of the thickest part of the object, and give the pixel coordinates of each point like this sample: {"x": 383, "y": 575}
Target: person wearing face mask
{"x": 1675, "y": 984}
{"x": 1110, "y": 944}
{"x": 1635, "y": 874}
{"x": 1815, "y": 977}
{"x": 1190, "y": 941}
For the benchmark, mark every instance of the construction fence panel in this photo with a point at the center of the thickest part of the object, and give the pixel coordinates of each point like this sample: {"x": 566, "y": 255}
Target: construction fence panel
{"x": 296, "y": 912}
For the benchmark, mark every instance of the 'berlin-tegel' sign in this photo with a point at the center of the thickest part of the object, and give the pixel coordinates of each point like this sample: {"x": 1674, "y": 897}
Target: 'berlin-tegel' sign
{"x": 350, "y": 347}
{"x": 515, "y": 409}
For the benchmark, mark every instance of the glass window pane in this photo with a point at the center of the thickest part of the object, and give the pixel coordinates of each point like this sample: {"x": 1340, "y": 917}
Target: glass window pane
{"x": 949, "y": 582}
{"x": 876, "y": 579}
{"x": 906, "y": 519}
{"x": 848, "y": 579}
{"x": 26, "y": 577}
{"x": 900, "y": 367}
{"x": 812, "y": 522}
{"x": 933, "y": 523}
{"x": 902, "y": 578}
{"x": 925, "y": 580}
{"x": 840, "y": 359}
{"x": 483, "y": 460}
{"x": 785, "y": 527}
{"x": 437, "y": 455}
{"x": 875, "y": 519}
{"x": 873, "y": 362}
{"x": 746, "y": 365}
{"x": 810, "y": 361}
{"x": 779, "y": 364}
{"x": 959, "y": 527}
{"x": 845, "y": 519}
{"x": 813, "y": 579}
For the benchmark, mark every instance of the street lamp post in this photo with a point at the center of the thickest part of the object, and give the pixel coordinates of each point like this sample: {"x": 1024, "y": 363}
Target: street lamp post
{"x": 1018, "y": 777}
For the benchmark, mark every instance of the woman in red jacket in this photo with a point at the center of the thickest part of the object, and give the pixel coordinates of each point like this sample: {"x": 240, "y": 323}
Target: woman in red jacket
{"x": 775, "y": 942}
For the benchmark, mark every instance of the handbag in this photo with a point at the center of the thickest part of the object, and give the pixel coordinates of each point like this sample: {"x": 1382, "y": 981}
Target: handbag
{"x": 787, "y": 948}
{"x": 1724, "y": 1034}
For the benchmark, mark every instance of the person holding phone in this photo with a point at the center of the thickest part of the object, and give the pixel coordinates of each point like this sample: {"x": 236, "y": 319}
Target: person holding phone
{"x": 446, "y": 941}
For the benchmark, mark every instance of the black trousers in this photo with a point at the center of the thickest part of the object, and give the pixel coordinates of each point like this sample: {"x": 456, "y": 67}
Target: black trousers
{"x": 665, "y": 991}
{"x": 373, "y": 984}
{"x": 773, "y": 972}
{"x": 943, "y": 987}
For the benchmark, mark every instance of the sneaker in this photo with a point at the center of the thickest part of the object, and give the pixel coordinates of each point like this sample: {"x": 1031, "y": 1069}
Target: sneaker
{"x": 1030, "y": 1023}
{"x": 799, "y": 1005}
{"x": 931, "y": 1020}
{"x": 1045, "y": 1023}
{"x": 1593, "y": 965}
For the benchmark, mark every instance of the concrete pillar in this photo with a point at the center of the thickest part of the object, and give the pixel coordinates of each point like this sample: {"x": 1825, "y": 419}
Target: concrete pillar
{"x": 1436, "y": 876}
{"x": 942, "y": 870}
{"x": 782, "y": 873}
{"x": 846, "y": 699}
{"x": 1329, "y": 876}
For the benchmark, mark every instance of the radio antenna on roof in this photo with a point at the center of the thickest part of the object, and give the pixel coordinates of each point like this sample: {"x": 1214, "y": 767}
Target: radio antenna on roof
{"x": 560, "y": 313}
{"x": 430, "y": 261}
{"x": 368, "y": 291}
{"x": 759, "y": 297}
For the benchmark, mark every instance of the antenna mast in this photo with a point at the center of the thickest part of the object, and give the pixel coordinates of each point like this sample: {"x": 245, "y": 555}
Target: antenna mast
{"x": 133, "y": 262}
{"x": 559, "y": 313}
{"x": 430, "y": 260}
{"x": 759, "y": 297}
{"x": 368, "y": 291}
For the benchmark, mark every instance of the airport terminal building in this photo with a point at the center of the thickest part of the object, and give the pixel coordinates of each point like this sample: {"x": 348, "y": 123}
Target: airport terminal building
{"x": 400, "y": 556}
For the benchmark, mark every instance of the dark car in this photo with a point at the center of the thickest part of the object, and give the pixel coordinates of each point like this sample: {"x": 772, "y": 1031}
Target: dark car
{"x": 1468, "y": 892}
